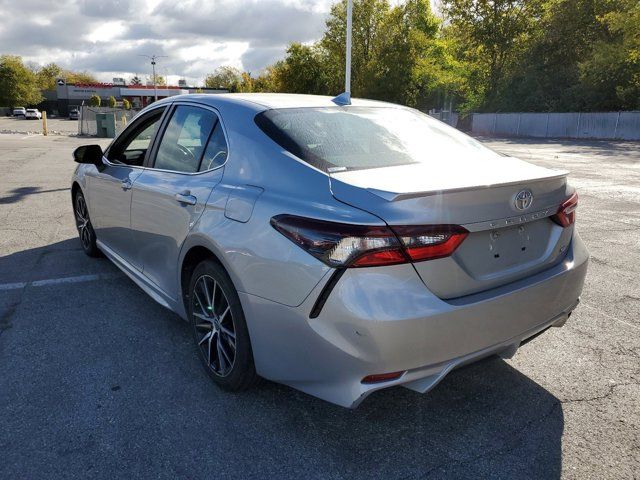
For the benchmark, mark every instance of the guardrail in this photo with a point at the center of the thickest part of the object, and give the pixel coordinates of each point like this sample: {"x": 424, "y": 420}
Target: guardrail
{"x": 605, "y": 125}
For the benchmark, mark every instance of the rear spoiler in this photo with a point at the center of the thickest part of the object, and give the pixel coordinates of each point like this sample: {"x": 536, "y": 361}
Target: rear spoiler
{"x": 396, "y": 196}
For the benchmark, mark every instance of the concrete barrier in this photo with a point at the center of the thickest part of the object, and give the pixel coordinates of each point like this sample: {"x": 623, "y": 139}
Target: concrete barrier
{"x": 605, "y": 125}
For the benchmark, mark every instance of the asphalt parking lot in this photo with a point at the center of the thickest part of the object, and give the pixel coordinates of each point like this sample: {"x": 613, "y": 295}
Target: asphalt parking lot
{"x": 97, "y": 380}
{"x": 55, "y": 126}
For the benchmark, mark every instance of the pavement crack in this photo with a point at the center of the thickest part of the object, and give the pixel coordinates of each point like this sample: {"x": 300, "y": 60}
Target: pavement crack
{"x": 609, "y": 393}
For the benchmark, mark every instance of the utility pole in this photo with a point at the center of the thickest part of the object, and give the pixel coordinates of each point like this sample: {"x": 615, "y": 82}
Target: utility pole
{"x": 153, "y": 67}
{"x": 347, "y": 76}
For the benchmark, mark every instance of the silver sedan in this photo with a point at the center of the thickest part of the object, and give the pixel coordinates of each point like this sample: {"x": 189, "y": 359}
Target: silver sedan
{"x": 336, "y": 249}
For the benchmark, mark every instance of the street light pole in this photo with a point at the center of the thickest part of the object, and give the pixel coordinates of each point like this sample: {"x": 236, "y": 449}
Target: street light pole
{"x": 153, "y": 67}
{"x": 347, "y": 76}
{"x": 155, "y": 89}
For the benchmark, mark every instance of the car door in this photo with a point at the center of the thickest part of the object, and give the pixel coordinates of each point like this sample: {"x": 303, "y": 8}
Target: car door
{"x": 110, "y": 186}
{"x": 171, "y": 194}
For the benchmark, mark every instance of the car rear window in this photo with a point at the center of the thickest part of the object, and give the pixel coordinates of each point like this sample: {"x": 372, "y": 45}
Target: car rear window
{"x": 351, "y": 138}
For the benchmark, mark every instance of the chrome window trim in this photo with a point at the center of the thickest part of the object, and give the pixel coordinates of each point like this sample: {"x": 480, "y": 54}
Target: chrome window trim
{"x": 191, "y": 103}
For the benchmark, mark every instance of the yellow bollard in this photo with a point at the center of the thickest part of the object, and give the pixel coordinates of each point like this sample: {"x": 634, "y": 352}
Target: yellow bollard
{"x": 44, "y": 123}
{"x": 124, "y": 121}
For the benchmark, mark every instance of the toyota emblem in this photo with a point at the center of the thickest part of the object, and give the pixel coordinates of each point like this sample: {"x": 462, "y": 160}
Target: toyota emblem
{"x": 524, "y": 199}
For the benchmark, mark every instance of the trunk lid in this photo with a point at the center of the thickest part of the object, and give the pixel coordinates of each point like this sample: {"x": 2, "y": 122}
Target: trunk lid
{"x": 505, "y": 243}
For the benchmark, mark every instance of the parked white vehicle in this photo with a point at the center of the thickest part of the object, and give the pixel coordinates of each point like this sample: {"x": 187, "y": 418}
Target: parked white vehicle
{"x": 19, "y": 112}
{"x": 33, "y": 114}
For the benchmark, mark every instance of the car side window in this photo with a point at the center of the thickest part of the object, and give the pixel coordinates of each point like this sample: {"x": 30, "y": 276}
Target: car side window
{"x": 183, "y": 142}
{"x": 132, "y": 148}
{"x": 216, "y": 152}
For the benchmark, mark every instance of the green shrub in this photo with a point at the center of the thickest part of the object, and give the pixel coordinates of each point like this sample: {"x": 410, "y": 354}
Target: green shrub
{"x": 94, "y": 101}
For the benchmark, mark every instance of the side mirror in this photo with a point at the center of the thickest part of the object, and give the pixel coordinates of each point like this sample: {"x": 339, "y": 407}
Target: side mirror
{"x": 91, "y": 154}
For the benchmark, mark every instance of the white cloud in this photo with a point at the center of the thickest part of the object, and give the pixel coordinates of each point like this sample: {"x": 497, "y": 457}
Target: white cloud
{"x": 107, "y": 31}
{"x": 107, "y": 37}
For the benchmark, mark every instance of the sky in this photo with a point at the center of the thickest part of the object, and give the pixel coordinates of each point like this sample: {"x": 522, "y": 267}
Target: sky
{"x": 107, "y": 37}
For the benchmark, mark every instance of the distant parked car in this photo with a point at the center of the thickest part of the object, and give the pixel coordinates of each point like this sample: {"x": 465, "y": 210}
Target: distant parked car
{"x": 19, "y": 112}
{"x": 74, "y": 114}
{"x": 33, "y": 114}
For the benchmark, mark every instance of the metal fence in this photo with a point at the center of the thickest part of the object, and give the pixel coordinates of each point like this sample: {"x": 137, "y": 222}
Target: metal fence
{"x": 606, "y": 125}
{"x": 445, "y": 116}
{"x": 87, "y": 119}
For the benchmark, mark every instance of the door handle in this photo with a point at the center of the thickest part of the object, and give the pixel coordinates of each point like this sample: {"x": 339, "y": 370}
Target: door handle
{"x": 186, "y": 198}
{"x": 126, "y": 184}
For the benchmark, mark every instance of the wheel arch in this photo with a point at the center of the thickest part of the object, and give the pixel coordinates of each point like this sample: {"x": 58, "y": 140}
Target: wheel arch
{"x": 194, "y": 252}
{"x": 75, "y": 188}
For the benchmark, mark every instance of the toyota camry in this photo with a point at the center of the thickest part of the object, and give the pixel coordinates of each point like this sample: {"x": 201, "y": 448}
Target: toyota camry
{"x": 336, "y": 248}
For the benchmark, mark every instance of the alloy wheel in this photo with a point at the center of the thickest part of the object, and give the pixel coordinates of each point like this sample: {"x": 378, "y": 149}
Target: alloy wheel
{"x": 214, "y": 325}
{"x": 82, "y": 222}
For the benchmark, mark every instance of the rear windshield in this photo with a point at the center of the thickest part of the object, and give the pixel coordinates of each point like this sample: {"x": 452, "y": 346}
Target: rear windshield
{"x": 336, "y": 139}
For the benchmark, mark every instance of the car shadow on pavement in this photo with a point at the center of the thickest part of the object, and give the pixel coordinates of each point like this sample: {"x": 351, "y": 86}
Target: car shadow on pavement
{"x": 17, "y": 194}
{"x": 97, "y": 377}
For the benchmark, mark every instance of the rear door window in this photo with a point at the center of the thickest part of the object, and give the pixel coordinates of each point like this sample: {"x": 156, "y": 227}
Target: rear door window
{"x": 184, "y": 140}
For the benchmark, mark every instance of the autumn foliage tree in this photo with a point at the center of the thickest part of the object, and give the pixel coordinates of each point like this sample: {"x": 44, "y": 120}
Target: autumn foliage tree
{"x": 18, "y": 84}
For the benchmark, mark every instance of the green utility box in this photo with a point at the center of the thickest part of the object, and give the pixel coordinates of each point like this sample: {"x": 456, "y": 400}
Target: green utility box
{"x": 105, "y": 125}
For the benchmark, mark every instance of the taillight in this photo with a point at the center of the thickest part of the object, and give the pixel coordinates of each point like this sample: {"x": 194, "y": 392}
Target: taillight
{"x": 347, "y": 245}
{"x": 566, "y": 215}
{"x": 431, "y": 242}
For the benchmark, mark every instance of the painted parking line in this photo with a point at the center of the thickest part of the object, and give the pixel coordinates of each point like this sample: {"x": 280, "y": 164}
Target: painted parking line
{"x": 12, "y": 286}
{"x": 61, "y": 280}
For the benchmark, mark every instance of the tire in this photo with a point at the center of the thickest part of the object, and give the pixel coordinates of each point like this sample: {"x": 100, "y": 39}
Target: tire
{"x": 83, "y": 224}
{"x": 218, "y": 334}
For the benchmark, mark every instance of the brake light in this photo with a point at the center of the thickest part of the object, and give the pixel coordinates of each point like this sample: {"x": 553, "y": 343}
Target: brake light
{"x": 429, "y": 243}
{"x": 566, "y": 214}
{"x": 347, "y": 245}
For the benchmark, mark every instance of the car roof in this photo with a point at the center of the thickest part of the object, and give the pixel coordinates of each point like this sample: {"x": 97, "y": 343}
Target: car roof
{"x": 266, "y": 101}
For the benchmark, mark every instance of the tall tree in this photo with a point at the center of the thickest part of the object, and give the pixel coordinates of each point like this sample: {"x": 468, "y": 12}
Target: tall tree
{"x": 224, "y": 77}
{"x": 79, "y": 77}
{"x": 18, "y": 84}
{"x": 368, "y": 33}
{"x": 410, "y": 60}
{"x": 546, "y": 76}
{"x": 269, "y": 80}
{"x": 490, "y": 35}
{"x": 47, "y": 76}
{"x": 303, "y": 70}
{"x": 611, "y": 74}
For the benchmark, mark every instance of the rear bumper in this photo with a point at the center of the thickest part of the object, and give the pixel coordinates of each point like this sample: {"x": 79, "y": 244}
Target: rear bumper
{"x": 380, "y": 320}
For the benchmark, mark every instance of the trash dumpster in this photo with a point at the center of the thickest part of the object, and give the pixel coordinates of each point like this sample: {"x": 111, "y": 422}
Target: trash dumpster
{"x": 105, "y": 125}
